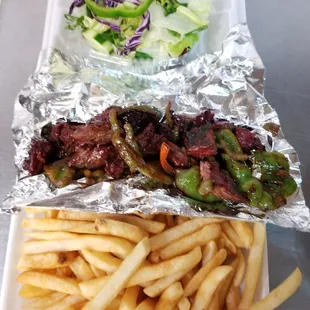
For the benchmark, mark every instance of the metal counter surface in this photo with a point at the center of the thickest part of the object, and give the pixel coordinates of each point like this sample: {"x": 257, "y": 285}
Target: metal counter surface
{"x": 281, "y": 31}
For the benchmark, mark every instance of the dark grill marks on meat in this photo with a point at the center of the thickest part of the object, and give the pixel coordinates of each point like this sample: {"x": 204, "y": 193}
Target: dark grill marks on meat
{"x": 248, "y": 140}
{"x": 89, "y": 157}
{"x": 138, "y": 120}
{"x": 223, "y": 185}
{"x": 40, "y": 153}
{"x": 200, "y": 142}
{"x": 149, "y": 141}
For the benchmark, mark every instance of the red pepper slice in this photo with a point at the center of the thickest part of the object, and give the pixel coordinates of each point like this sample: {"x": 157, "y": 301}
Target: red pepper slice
{"x": 164, "y": 151}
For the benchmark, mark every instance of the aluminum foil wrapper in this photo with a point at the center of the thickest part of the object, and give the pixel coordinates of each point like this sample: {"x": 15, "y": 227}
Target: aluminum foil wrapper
{"x": 68, "y": 86}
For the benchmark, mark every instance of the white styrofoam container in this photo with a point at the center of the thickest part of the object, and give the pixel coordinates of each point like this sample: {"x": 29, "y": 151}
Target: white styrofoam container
{"x": 226, "y": 14}
{"x": 10, "y": 300}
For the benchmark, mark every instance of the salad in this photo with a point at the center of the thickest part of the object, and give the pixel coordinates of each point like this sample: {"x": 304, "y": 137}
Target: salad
{"x": 146, "y": 29}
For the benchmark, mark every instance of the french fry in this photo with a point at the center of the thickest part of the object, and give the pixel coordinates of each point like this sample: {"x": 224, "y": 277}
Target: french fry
{"x": 160, "y": 218}
{"x": 228, "y": 244}
{"x": 46, "y": 261}
{"x": 147, "y": 284}
{"x": 208, "y": 251}
{"x": 231, "y": 234}
{"x": 52, "y": 214}
{"x": 45, "y": 301}
{"x": 35, "y": 210}
{"x": 170, "y": 297}
{"x": 154, "y": 257}
{"x": 181, "y": 219}
{"x": 215, "y": 302}
{"x": 184, "y": 304}
{"x": 232, "y": 298}
{"x": 143, "y": 215}
{"x": 189, "y": 242}
{"x": 70, "y": 300}
{"x": 221, "y": 243}
{"x": 120, "y": 229}
{"x": 83, "y": 227}
{"x": 81, "y": 269}
{"x": 203, "y": 272}
{"x": 64, "y": 272}
{"x": 244, "y": 231}
{"x": 121, "y": 276}
{"x": 54, "y": 235}
{"x": 166, "y": 268}
{"x": 189, "y": 275}
{"x": 281, "y": 293}
{"x": 101, "y": 260}
{"x": 90, "y": 288}
{"x": 129, "y": 299}
{"x": 50, "y": 282}
{"x": 161, "y": 284}
{"x": 170, "y": 221}
{"x": 78, "y": 216}
{"x": 240, "y": 270}
{"x": 48, "y": 271}
{"x": 97, "y": 271}
{"x": 226, "y": 284}
{"x": 29, "y": 291}
{"x": 120, "y": 247}
{"x": 207, "y": 288}
{"x": 80, "y": 305}
{"x": 147, "y": 304}
{"x": 254, "y": 265}
{"x": 150, "y": 226}
{"x": 115, "y": 303}
{"x": 165, "y": 238}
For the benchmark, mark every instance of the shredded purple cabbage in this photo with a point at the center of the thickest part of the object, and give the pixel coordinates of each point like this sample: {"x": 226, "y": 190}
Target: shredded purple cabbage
{"x": 114, "y": 27}
{"x": 134, "y": 41}
{"x": 76, "y": 4}
{"x": 112, "y": 3}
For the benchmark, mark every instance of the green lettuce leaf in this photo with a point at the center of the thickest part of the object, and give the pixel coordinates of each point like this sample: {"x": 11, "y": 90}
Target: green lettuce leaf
{"x": 175, "y": 50}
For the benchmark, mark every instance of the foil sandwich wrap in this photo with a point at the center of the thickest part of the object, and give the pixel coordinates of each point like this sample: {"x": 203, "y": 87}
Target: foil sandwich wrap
{"x": 70, "y": 87}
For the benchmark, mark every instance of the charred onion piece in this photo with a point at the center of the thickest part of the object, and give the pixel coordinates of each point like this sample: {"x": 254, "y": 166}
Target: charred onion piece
{"x": 133, "y": 160}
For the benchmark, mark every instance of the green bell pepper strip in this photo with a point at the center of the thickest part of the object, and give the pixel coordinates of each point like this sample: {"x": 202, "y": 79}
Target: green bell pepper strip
{"x": 188, "y": 181}
{"x": 282, "y": 180}
{"x": 244, "y": 179}
{"x": 275, "y": 172}
{"x": 266, "y": 202}
{"x": 271, "y": 161}
{"x": 229, "y": 143}
{"x": 131, "y": 158}
{"x": 122, "y": 10}
{"x": 130, "y": 139}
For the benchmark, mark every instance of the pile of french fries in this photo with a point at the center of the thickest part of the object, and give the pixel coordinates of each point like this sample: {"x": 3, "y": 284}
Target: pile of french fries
{"x": 89, "y": 261}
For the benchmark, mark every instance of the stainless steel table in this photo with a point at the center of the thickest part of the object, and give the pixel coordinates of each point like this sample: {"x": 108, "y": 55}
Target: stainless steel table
{"x": 280, "y": 29}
